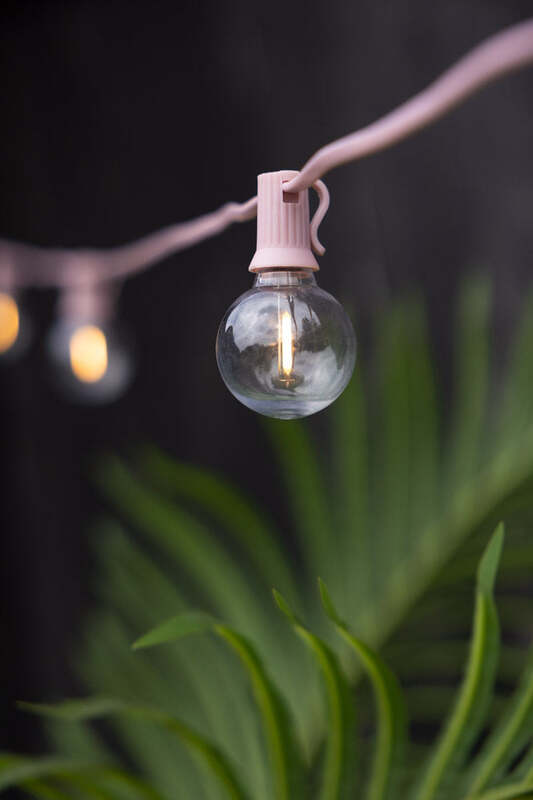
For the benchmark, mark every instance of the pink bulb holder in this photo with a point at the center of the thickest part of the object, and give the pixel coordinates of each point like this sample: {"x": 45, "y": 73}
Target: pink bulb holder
{"x": 8, "y": 281}
{"x": 285, "y": 237}
{"x": 87, "y": 301}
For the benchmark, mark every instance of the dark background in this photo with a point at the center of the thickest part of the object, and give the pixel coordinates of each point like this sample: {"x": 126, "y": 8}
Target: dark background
{"x": 117, "y": 118}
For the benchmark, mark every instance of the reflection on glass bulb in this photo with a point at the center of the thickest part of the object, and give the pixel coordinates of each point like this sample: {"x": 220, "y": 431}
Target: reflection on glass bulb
{"x": 9, "y": 322}
{"x": 286, "y": 348}
{"x": 90, "y": 359}
{"x": 88, "y": 353}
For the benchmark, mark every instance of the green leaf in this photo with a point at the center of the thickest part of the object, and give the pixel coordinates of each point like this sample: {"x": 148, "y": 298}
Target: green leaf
{"x": 468, "y": 715}
{"x": 424, "y": 454}
{"x": 302, "y": 474}
{"x": 109, "y": 662}
{"x": 517, "y": 401}
{"x": 471, "y": 379}
{"x": 202, "y": 668}
{"x": 31, "y": 772}
{"x": 176, "y": 628}
{"x": 338, "y": 771}
{"x": 375, "y": 587}
{"x": 117, "y": 785}
{"x": 513, "y": 791}
{"x": 76, "y": 710}
{"x": 283, "y": 751}
{"x": 525, "y": 767}
{"x": 351, "y": 493}
{"x": 44, "y": 791}
{"x": 510, "y": 737}
{"x": 188, "y": 542}
{"x": 391, "y": 730}
{"x": 16, "y": 770}
{"x": 211, "y": 756}
{"x": 488, "y": 566}
{"x": 229, "y": 506}
{"x": 391, "y": 466}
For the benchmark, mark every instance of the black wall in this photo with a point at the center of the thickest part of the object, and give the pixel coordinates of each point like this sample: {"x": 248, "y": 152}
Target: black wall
{"x": 117, "y": 118}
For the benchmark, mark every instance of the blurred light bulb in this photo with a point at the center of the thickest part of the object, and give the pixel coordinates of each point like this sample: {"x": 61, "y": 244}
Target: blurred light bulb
{"x": 90, "y": 359}
{"x": 286, "y": 348}
{"x": 9, "y": 322}
{"x": 88, "y": 353}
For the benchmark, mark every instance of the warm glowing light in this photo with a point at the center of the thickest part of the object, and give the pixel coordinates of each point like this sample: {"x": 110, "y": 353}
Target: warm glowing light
{"x": 9, "y": 322}
{"x": 285, "y": 345}
{"x": 88, "y": 353}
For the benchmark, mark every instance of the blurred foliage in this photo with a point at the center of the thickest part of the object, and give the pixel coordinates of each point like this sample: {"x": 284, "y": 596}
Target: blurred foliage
{"x": 391, "y": 509}
{"x": 502, "y": 767}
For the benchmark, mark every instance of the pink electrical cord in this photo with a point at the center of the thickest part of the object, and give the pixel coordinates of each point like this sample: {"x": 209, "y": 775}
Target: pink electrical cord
{"x": 25, "y": 265}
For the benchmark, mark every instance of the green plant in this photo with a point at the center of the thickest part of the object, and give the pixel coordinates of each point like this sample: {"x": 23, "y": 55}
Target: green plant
{"x": 501, "y": 768}
{"x": 390, "y": 504}
{"x": 381, "y": 505}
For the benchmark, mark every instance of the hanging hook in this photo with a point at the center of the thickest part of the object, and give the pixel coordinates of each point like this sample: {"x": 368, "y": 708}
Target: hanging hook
{"x": 323, "y": 197}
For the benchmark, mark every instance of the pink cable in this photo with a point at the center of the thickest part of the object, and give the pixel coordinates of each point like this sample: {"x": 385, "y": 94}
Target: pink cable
{"x": 25, "y": 265}
{"x": 493, "y": 58}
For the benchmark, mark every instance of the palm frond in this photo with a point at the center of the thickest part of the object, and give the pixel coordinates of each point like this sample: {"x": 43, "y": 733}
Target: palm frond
{"x": 389, "y": 504}
{"x": 493, "y": 774}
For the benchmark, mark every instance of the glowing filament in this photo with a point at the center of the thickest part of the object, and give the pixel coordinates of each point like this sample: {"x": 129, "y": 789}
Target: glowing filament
{"x": 9, "y": 322}
{"x": 285, "y": 345}
{"x": 88, "y": 353}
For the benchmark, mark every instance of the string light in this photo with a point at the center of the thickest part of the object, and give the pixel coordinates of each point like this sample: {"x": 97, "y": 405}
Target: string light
{"x": 295, "y": 355}
{"x": 89, "y": 356}
{"x": 15, "y": 326}
{"x": 88, "y": 353}
{"x": 286, "y": 348}
{"x": 9, "y": 322}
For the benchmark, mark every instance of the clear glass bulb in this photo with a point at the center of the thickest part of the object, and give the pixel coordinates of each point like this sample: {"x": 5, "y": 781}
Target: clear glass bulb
{"x": 286, "y": 348}
{"x": 90, "y": 359}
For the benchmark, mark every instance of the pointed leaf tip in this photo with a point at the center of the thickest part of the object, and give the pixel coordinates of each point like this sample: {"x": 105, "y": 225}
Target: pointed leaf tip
{"x": 74, "y": 710}
{"x": 284, "y": 606}
{"x": 488, "y": 566}
{"x": 327, "y": 603}
{"x": 176, "y": 628}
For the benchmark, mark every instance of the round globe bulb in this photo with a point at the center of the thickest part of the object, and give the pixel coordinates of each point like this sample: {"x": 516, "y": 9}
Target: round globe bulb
{"x": 15, "y": 328}
{"x": 90, "y": 359}
{"x": 9, "y": 322}
{"x": 286, "y": 348}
